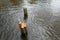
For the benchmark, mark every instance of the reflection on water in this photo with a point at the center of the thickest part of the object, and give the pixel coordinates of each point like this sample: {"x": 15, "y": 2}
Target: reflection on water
{"x": 9, "y": 3}
{"x": 39, "y": 1}
{"x": 55, "y": 5}
{"x": 16, "y": 2}
{"x": 32, "y": 1}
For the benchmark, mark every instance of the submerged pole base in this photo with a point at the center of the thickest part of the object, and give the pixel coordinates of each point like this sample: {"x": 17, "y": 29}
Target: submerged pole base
{"x": 25, "y": 16}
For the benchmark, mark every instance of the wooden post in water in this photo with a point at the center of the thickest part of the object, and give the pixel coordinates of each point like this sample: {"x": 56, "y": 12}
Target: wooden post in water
{"x": 23, "y": 27}
{"x": 25, "y": 13}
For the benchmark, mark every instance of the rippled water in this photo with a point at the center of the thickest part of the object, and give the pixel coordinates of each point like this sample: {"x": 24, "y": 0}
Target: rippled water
{"x": 43, "y": 20}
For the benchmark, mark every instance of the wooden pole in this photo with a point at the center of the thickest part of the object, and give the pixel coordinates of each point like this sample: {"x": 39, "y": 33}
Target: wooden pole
{"x": 23, "y": 27}
{"x": 25, "y": 13}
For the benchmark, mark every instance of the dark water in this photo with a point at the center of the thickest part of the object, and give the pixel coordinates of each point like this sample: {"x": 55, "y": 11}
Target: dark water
{"x": 43, "y": 19}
